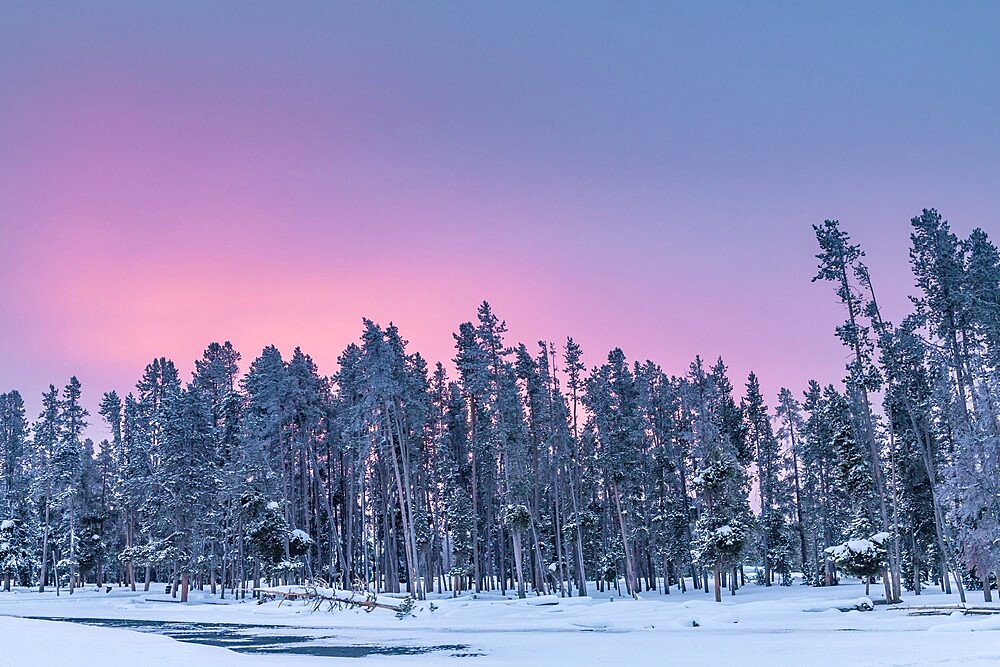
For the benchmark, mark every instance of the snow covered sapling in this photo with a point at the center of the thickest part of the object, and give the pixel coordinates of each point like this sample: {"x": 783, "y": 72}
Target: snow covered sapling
{"x": 268, "y": 535}
{"x": 299, "y": 543}
{"x": 280, "y": 549}
{"x": 721, "y": 543}
{"x": 406, "y": 606}
{"x": 92, "y": 552}
{"x": 862, "y": 557}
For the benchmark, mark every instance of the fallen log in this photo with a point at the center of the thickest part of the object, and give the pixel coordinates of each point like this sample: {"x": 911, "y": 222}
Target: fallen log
{"x": 320, "y": 596}
{"x": 948, "y": 609}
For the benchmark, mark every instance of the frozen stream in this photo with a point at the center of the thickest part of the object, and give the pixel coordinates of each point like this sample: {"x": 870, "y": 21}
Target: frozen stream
{"x": 265, "y": 639}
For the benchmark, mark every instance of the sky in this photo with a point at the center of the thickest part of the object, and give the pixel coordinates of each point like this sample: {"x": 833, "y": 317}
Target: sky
{"x": 641, "y": 175}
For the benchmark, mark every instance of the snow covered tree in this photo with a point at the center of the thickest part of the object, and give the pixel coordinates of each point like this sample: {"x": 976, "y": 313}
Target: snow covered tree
{"x": 186, "y": 481}
{"x": 722, "y": 530}
{"x": 574, "y": 368}
{"x": 15, "y": 553}
{"x": 982, "y": 292}
{"x": 457, "y": 475}
{"x": 790, "y": 430}
{"x": 760, "y": 437}
{"x": 116, "y": 479}
{"x": 840, "y": 264}
{"x": 146, "y": 419}
{"x": 15, "y": 508}
{"x": 938, "y": 269}
{"x": 67, "y": 464}
{"x": 613, "y": 399}
{"x": 393, "y": 408}
{"x": 862, "y": 557}
{"x": 724, "y": 523}
{"x": 13, "y": 456}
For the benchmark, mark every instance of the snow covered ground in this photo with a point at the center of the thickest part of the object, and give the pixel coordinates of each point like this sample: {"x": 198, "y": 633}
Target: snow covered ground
{"x": 759, "y": 626}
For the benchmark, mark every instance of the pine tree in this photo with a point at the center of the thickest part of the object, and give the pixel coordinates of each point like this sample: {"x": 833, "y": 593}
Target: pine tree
{"x": 392, "y": 406}
{"x": 612, "y": 397}
{"x": 67, "y": 468}
{"x": 723, "y": 525}
{"x": 954, "y": 288}
{"x": 456, "y": 462}
{"x": 117, "y": 480}
{"x": 14, "y": 489}
{"x": 13, "y": 446}
{"x": 574, "y": 369}
{"x": 667, "y": 470}
{"x": 471, "y": 362}
{"x": 840, "y": 263}
{"x": 760, "y": 437}
{"x": 790, "y": 430}
{"x": 15, "y": 553}
{"x": 46, "y": 439}
{"x": 186, "y": 456}
{"x": 938, "y": 268}
{"x": 305, "y": 400}
{"x": 982, "y": 291}
{"x": 216, "y": 377}
{"x": 159, "y": 385}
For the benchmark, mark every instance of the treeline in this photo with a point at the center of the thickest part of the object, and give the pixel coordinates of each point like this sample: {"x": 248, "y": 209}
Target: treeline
{"x": 520, "y": 470}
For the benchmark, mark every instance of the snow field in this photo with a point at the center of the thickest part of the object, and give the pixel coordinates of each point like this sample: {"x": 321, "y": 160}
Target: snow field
{"x": 759, "y": 626}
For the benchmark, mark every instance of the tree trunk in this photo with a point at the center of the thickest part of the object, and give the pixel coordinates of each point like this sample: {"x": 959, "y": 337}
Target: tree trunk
{"x": 540, "y": 586}
{"x": 130, "y": 543}
{"x": 72, "y": 547}
{"x": 557, "y": 519}
{"x": 765, "y": 547}
{"x": 44, "y": 575}
{"x": 55, "y": 571}
{"x": 629, "y": 566}
{"x": 717, "y": 576}
{"x": 404, "y": 490}
{"x": 476, "y": 570}
{"x": 222, "y": 570}
{"x": 798, "y": 504}
{"x": 516, "y": 535}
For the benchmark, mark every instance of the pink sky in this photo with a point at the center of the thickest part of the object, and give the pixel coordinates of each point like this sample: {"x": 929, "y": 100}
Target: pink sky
{"x": 174, "y": 176}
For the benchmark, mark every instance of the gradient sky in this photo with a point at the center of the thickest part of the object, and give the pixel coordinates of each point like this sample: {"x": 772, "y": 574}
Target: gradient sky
{"x": 641, "y": 175}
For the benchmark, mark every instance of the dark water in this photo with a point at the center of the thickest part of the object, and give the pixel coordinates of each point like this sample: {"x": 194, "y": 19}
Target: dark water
{"x": 267, "y": 639}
